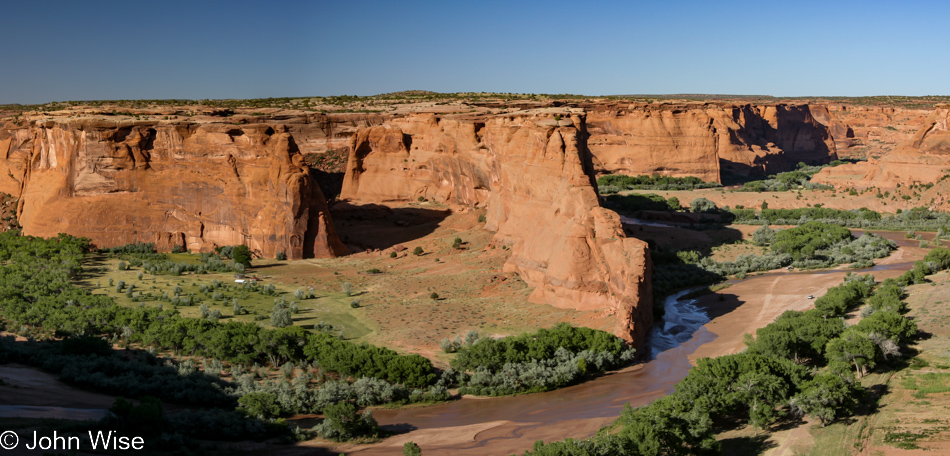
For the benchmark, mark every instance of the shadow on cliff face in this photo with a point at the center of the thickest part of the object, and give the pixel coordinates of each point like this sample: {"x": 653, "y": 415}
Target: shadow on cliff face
{"x": 330, "y": 184}
{"x": 796, "y": 136}
{"x": 374, "y": 226}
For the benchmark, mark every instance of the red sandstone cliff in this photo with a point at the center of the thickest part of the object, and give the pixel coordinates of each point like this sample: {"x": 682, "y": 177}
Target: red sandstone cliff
{"x": 532, "y": 172}
{"x": 923, "y": 158}
{"x": 198, "y": 185}
{"x": 707, "y": 140}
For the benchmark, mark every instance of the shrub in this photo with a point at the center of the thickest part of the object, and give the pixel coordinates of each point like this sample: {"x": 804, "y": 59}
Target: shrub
{"x": 342, "y": 422}
{"x": 411, "y": 449}
{"x": 434, "y": 295}
{"x": 281, "y": 256}
{"x": 259, "y": 405}
{"x": 417, "y": 251}
{"x": 702, "y": 205}
{"x": 763, "y": 236}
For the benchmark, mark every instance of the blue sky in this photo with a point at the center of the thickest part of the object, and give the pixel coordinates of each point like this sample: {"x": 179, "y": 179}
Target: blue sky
{"x": 55, "y": 51}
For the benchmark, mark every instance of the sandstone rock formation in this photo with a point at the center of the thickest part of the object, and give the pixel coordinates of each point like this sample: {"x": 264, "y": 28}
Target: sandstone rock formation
{"x": 707, "y": 140}
{"x": 925, "y": 158}
{"x": 197, "y": 185}
{"x": 863, "y": 132}
{"x": 532, "y": 171}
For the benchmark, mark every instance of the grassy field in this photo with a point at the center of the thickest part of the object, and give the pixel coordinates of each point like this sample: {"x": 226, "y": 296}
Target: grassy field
{"x": 330, "y": 306}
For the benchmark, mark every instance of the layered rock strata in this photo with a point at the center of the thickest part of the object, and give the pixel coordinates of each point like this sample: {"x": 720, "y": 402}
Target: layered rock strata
{"x": 532, "y": 172}
{"x": 196, "y": 185}
{"x": 707, "y": 140}
{"x": 924, "y": 158}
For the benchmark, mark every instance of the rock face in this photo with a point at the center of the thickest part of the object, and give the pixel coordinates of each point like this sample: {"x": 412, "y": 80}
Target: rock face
{"x": 707, "y": 140}
{"x": 862, "y": 132}
{"x": 533, "y": 172}
{"x": 924, "y": 158}
{"x": 197, "y": 185}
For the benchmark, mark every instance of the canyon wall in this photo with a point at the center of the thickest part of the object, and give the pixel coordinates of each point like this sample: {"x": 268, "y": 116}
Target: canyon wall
{"x": 174, "y": 183}
{"x": 922, "y": 158}
{"x": 707, "y": 140}
{"x": 532, "y": 172}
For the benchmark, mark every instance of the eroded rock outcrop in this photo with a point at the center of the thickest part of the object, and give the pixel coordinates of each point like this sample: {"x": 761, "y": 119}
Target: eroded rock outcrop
{"x": 197, "y": 185}
{"x": 924, "y": 158}
{"x": 532, "y": 171}
{"x": 707, "y": 140}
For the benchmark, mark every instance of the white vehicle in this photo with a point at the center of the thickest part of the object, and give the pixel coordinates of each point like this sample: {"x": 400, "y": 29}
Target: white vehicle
{"x": 811, "y": 297}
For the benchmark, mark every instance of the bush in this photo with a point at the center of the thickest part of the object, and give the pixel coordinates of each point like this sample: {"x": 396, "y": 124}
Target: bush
{"x": 411, "y": 449}
{"x": 281, "y": 256}
{"x": 434, "y": 295}
{"x": 702, "y": 205}
{"x": 763, "y": 236}
{"x": 259, "y": 405}
{"x": 342, "y": 422}
{"x": 417, "y": 251}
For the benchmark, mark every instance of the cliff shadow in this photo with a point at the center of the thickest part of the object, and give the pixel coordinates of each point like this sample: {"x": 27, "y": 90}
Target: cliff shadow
{"x": 330, "y": 183}
{"x": 375, "y": 226}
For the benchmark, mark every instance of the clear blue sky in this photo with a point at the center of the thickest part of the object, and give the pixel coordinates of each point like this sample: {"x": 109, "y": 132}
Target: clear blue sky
{"x": 81, "y": 50}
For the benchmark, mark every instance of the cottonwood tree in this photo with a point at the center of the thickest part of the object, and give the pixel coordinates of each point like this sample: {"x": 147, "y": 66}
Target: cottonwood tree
{"x": 855, "y": 348}
{"x": 825, "y": 397}
{"x": 762, "y": 392}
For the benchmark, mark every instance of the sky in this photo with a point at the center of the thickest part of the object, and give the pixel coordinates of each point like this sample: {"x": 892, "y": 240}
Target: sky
{"x": 110, "y": 50}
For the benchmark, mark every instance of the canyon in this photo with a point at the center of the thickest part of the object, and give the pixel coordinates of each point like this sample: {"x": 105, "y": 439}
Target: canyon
{"x": 198, "y": 177}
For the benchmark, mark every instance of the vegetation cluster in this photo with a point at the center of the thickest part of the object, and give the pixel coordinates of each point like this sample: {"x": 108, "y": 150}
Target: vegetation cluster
{"x": 804, "y": 363}
{"x": 533, "y": 362}
{"x": 613, "y": 183}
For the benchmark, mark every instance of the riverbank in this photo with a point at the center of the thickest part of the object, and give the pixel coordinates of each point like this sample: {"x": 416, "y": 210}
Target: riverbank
{"x": 470, "y": 427}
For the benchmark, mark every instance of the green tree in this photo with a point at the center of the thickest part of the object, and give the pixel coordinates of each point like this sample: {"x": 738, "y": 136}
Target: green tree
{"x": 762, "y": 392}
{"x": 853, "y": 348}
{"x": 259, "y": 405}
{"x": 826, "y": 396}
{"x": 411, "y": 449}
{"x": 674, "y": 203}
{"x": 342, "y": 422}
{"x": 241, "y": 255}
